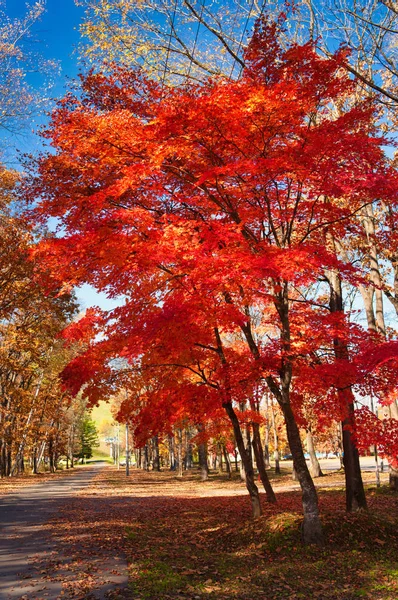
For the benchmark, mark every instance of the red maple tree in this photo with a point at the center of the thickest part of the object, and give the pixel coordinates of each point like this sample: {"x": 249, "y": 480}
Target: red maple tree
{"x": 213, "y": 210}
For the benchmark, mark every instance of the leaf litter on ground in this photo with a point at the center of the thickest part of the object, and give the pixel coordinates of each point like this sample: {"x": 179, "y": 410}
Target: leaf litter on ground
{"x": 193, "y": 540}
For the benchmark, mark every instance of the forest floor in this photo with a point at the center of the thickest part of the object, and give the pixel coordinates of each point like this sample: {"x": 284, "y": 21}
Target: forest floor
{"x": 184, "y": 539}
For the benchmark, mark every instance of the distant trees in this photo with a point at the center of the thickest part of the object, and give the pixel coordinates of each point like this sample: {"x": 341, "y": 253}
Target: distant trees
{"x": 32, "y": 355}
{"x": 87, "y": 438}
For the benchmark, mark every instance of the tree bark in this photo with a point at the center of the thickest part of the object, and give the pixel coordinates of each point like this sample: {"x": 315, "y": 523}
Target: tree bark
{"x": 171, "y": 453}
{"x": 340, "y": 443}
{"x": 276, "y": 443}
{"x": 51, "y": 454}
{"x": 258, "y": 453}
{"x": 355, "y": 493}
{"x": 227, "y": 461}
{"x": 72, "y": 447}
{"x": 9, "y": 458}
{"x": 2, "y": 458}
{"x": 204, "y": 467}
{"x": 266, "y": 440}
{"x": 245, "y": 458}
{"x": 245, "y": 454}
{"x": 188, "y": 450}
{"x": 146, "y": 456}
{"x": 220, "y": 458}
{"x": 393, "y": 410}
{"x": 34, "y": 461}
{"x": 236, "y": 460}
{"x": 312, "y": 528}
{"x": 373, "y": 291}
{"x": 315, "y": 467}
{"x": 247, "y": 441}
{"x": 393, "y": 479}
{"x": 156, "y": 458}
{"x": 180, "y": 465}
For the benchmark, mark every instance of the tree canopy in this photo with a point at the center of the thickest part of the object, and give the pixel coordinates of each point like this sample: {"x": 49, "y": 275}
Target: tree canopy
{"x": 220, "y": 212}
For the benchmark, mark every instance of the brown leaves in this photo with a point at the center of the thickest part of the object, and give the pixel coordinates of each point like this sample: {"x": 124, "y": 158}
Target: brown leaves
{"x": 188, "y": 539}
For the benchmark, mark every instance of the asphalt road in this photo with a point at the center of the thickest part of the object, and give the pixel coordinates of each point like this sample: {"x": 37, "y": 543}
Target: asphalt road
{"x": 333, "y": 464}
{"x": 27, "y": 551}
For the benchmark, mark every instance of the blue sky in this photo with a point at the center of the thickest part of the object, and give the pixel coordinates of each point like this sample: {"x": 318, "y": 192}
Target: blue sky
{"x": 56, "y": 37}
{"x": 57, "y": 32}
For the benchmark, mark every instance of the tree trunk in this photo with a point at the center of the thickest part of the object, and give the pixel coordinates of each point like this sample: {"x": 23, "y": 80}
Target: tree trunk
{"x": 142, "y": 459}
{"x": 245, "y": 458}
{"x": 34, "y": 463}
{"x": 220, "y": 458}
{"x": 227, "y": 461}
{"x": 242, "y": 473}
{"x": 375, "y": 314}
{"x": 171, "y": 453}
{"x": 340, "y": 444}
{"x": 258, "y": 453}
{"x": 276, "y": 443}
{"x": 355, "y": 493}
{"x": 72, "y": 447}
{"x": 180, "y": 465}
{"x": 213, "y": 461}
{"x": 2, "y": 458}
{"x": 393, "y": 410}
{"x": 188, "y": 450}
{"x": 267, "y": 463}
{"x": 393, "y": 479}
{"x": 312, "y": 528}
{"x": 9, "y": 459}
{"x": 236, "y": 460}
{"x": 373, "y": 291}
{"x": 146, "y": 457}
{"x": 51, "y": 455}
{"x": 156, "y": 458}
{"x": 277, "y": 463}
{"x": 204, "y": 467}
{"x": 315, "y": 467}
{"x": 248, "y": 443}
{"x": 21, "y": 465}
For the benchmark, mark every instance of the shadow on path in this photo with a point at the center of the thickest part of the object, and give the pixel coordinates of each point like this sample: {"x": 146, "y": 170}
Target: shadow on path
{"x": 32, "y": 564}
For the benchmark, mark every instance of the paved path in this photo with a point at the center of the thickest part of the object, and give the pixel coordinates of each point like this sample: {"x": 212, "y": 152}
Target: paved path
{"x": 31, "y": 567}
{"x": 333, "y": 464}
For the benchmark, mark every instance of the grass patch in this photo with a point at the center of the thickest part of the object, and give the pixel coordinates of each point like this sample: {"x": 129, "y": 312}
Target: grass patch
{"x": 156, "y": 579}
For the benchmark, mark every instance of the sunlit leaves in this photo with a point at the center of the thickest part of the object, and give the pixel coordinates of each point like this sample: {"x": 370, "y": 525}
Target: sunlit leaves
{"x": 207, "y": 207}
